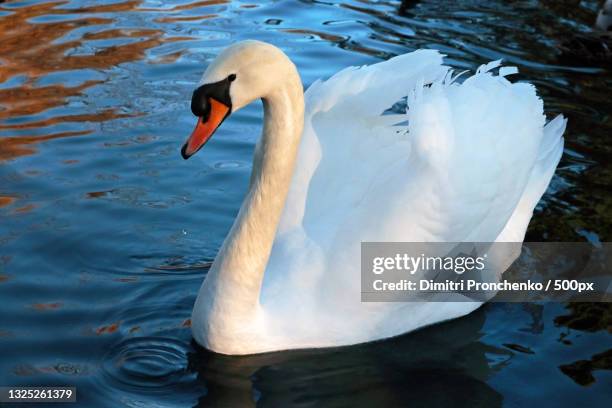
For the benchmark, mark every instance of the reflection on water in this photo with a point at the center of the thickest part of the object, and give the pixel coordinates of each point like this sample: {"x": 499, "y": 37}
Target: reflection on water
{"x": 432, "y": 367}
{"x": 106, "y": 234}
{"x": 39, "y": 47}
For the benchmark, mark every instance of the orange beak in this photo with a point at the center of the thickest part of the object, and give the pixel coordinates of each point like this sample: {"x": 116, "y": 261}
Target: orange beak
{"x": 205, "y": 129}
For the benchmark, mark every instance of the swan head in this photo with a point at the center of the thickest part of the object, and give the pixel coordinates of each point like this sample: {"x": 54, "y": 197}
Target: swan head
{"x": 245, "y": 71}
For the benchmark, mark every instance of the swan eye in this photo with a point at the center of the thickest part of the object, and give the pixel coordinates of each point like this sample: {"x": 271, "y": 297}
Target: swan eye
{"x": 232, "y": 77}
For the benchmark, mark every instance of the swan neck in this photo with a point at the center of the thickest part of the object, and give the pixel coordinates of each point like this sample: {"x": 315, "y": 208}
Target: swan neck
{"x": 235, "y": 279}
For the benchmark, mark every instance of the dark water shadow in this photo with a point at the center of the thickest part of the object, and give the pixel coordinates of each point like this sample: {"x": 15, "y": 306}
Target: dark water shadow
{"x": 444, "y": 365}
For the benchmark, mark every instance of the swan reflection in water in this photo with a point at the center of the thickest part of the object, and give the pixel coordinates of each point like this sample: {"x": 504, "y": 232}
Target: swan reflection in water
{"x": 441, "y": 365}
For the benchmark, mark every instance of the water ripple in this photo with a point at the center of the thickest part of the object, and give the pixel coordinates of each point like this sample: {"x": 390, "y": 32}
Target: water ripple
{"x": 150, "y": 371}
{"x": 147, "y": 362}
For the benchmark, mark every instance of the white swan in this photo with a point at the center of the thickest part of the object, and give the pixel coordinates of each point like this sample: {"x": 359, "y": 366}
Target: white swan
{"x": 330, "y": 172}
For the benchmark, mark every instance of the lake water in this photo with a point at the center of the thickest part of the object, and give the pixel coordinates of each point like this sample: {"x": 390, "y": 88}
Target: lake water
{"x": 105, "y": 232}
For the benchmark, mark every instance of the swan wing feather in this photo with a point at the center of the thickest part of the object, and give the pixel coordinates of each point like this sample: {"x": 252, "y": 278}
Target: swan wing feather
{"x": 466, "y": 162}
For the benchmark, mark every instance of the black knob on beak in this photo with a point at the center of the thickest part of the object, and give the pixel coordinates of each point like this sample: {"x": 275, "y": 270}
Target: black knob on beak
{"x": 219, "y": 91}
{"x": 200, "y": 105}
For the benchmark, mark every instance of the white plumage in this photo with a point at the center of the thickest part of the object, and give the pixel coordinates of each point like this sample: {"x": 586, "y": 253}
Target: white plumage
{"x": 468, "y": 161}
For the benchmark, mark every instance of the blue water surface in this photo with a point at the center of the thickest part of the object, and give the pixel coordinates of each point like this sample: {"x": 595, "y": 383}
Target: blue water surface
{"x": 106, "y": 233}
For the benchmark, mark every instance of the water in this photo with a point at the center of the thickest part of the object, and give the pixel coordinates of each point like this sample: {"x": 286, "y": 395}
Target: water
{"x": 106, "y": 233}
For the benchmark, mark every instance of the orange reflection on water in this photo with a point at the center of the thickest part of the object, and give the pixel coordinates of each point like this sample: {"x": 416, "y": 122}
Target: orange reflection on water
{"x": 190, "y": 6}
{"x": 25, "y": 209}
{"x": 111, "y": 328}
{"x": 13, "y": 147}
{"x": 184, "y": 18}
{"x": 47, "y": 306}
{"x": 6, "y": 200}
{"x": 101, "y": 116}
{"x": 28, "y": 100}
{"x": 320, "y": 34}
{"x": 32, "y": 47}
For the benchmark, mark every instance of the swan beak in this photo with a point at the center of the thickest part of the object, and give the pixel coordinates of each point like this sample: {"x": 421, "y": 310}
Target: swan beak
{"x": 205, "y": 128}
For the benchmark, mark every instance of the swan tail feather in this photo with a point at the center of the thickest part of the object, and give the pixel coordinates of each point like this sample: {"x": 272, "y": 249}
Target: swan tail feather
{"x": 549, "y": 155}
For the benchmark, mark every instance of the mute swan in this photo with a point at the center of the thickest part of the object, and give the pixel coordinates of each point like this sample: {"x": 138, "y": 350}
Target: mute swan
{"x": 330, "y": 172}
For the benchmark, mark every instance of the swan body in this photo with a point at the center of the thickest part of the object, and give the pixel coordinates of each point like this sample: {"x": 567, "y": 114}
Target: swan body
{"x": 467, "y": 162}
